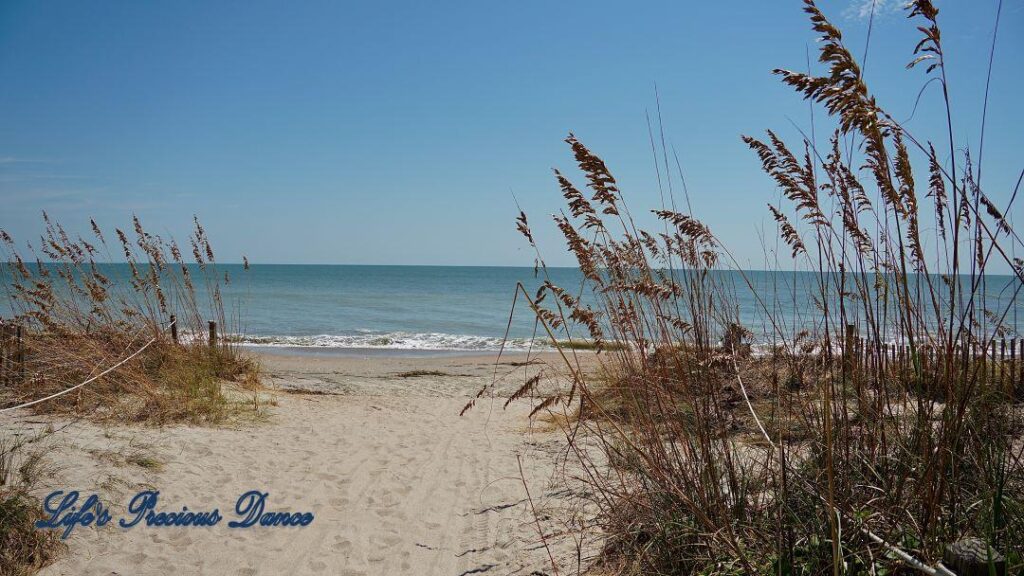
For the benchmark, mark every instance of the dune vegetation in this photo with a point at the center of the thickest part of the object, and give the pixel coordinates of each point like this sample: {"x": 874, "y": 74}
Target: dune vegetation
{"x": 878, "y": 435}
{"x": 128, "y": 342}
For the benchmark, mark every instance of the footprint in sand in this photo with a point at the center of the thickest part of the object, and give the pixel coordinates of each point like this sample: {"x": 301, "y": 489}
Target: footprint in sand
{"x": 341, "y": 545}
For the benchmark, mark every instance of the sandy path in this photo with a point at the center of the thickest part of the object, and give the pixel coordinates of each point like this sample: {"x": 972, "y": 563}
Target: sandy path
{"x": 398, "y": 482}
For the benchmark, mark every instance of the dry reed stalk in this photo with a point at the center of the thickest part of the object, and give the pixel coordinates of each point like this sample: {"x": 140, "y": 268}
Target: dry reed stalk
{"x": 873, "y": 434}
{"x": 82, "y": 313}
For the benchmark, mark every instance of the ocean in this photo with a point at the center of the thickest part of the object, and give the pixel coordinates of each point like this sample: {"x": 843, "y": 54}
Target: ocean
{"x": 463, "y": 308}
{"x": 386, "y": 307}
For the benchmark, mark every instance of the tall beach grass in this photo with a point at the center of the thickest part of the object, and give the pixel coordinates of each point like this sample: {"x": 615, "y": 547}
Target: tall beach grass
{"x": 83, "y": 304}
{"x": 829, "y": 453}
{"x": 126, "y": 307}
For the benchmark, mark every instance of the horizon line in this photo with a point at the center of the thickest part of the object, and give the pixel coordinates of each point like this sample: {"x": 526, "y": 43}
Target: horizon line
{"x": 251, "y": 264}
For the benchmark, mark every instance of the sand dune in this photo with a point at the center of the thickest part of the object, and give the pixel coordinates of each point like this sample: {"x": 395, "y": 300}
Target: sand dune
{"x": 398, "y": 482}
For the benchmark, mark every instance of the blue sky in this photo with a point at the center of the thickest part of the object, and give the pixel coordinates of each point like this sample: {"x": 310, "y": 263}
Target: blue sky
{"x": 397, "y": 133}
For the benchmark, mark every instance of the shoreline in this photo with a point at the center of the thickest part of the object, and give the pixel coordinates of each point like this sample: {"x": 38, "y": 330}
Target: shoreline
{"x": 355, "y": 352}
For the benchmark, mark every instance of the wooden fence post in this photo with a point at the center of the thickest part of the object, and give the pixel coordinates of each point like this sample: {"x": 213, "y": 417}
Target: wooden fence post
{"x": 174, "y": 328}
{"x": 869, "y": 357}
{"x": 21, "y": 352}
{"x": 862, "y": 355}
{"x": 933, "y": 363}
{"x": 3, "y": 352}
{"x": 848, "y": 355}
{"x": 1002, "y": 362}
{"x": 992, "y": 368}
{"x": 213, "y": 333}
{"x": 1013, "y": 363}
{"x": 1020, "y": 356}
{"x": 972, "y": 358}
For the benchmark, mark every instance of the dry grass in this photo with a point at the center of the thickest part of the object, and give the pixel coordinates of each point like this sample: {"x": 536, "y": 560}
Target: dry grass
{"x": 421, "y": 373}
{"x": 80, "y": 315}
{"x": 23, "y": 548}
{"x": 817, "y": 458}
{"x": 589, "y": 345}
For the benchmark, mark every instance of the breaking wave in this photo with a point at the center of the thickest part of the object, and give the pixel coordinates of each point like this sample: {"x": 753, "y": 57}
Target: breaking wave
{"x": 393, "y": 340}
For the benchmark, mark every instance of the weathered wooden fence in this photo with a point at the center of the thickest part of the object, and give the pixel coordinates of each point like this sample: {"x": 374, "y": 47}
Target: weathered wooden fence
{"x": 998, "y": 361}
{"x": 12, "y": 353}
{"x": 13, "y": 350}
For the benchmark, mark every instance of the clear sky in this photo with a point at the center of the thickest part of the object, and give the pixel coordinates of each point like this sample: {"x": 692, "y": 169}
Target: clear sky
{"x": 398, "y": 132}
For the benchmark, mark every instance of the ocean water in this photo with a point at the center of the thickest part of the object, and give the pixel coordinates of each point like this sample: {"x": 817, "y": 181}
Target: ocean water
{"x": 421, "y": 308}
{"x": 390, "y": 307}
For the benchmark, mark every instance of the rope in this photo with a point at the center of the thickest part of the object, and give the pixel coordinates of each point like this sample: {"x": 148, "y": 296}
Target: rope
{"x": 90, "y": 380}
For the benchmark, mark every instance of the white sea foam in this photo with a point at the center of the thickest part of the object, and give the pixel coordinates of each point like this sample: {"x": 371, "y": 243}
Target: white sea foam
{"x": 393, "y": 340}
{"x": 366, "y": 339}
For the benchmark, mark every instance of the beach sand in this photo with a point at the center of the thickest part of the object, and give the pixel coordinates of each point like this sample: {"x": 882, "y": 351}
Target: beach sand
{"x": 398, "y": 482}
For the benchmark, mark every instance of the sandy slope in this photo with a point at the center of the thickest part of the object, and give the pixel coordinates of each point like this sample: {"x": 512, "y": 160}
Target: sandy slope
{"x": 398, "y": 482}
